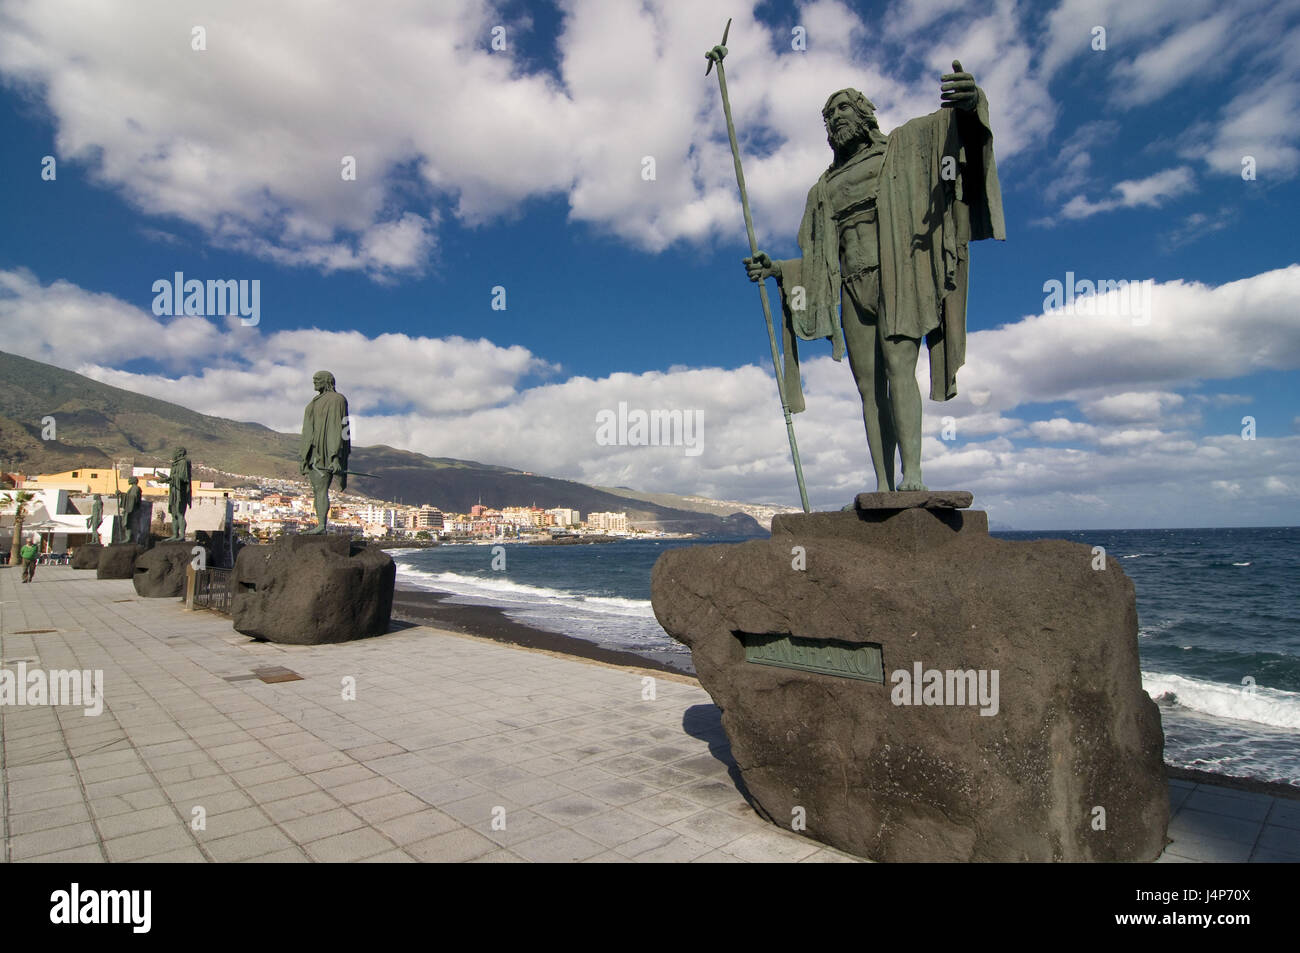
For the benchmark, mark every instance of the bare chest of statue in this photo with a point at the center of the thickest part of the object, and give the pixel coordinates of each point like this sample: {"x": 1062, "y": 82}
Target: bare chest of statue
{"x": 852, "y": 191}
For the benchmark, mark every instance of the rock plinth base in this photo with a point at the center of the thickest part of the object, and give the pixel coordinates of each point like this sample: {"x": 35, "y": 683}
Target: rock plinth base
{"x": 160, "y": 571}
{"x": 87, "y": 556}
{"x": 912, "y": 689}
{"x": 311, "y": 590}
{"x": 117, "y": 561}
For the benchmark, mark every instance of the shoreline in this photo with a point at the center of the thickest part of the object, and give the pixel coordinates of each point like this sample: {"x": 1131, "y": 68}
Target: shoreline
{"x": 427, "y": 606}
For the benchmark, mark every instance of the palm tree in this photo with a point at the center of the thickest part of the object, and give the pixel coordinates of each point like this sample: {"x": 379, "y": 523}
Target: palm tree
{"x": 22, "y": 498}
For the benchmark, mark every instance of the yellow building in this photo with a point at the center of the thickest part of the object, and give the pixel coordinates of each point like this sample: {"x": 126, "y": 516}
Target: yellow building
{"x": 107, "y": 481}
{"x": 84, "y": 480}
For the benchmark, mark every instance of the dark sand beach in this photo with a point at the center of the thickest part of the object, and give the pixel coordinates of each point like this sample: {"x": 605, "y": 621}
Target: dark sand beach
{"x": 426, "y": 607}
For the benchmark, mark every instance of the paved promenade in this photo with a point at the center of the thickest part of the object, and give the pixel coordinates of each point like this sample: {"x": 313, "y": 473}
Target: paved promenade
{"x": 453, "y": 749}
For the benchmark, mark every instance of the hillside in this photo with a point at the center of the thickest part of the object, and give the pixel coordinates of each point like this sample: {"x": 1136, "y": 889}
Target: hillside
{"x": 98, "y": 424}
{"x": 761, "y": 512}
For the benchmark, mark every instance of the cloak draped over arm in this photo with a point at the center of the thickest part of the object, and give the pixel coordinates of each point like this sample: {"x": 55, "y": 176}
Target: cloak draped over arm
{"x": 179, "y": 484}
{"x": 322, "y": 429}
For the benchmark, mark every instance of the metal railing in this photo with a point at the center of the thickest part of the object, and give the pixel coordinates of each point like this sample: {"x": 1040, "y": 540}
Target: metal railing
{"x": 212, "y": 589}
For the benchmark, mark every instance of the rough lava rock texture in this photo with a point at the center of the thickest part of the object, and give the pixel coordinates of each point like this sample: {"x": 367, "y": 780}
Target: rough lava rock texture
{"x": 160, "y": 571}
{"x": 117, "y": 561}
{"x": 1073, "y": 729}
{"x": 310, "y": 590}
{"x": 87, "y": 556}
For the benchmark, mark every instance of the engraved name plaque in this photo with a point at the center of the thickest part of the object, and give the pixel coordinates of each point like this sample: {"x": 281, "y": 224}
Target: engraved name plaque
{"x": 860, "y": 660}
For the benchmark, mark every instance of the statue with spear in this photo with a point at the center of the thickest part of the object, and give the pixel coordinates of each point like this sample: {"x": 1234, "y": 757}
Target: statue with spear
{"x": 883, "y": 258}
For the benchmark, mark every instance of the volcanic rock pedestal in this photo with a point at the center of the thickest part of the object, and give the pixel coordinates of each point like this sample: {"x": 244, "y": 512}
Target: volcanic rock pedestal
{"x": 912, "y": 689}
{"x": 87, "y": 556}
{"x": 309, "y": 590}
{"x": 117, "y": 561}
{"x": 160, "y": 571}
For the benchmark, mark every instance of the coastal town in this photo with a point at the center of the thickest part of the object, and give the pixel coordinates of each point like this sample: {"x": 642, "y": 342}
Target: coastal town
{"x": 56, "y": 508}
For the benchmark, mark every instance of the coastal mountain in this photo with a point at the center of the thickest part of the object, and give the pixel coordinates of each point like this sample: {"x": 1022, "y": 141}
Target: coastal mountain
{"x": 761, "y": 512}
{"x": 96, "y": 425}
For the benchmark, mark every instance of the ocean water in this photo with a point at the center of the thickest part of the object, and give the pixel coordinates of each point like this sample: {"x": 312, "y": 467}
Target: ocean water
{"x": 1218, "y": 611}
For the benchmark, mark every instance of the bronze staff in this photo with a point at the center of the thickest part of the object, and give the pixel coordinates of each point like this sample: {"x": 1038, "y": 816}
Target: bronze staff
{"x": 716, "y": 55}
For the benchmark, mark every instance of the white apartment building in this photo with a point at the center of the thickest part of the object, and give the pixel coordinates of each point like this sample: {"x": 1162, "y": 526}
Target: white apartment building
{"x": 565, "y": 517}
{"x": 607, "y": 522}
{"x": 427, "y": 517}
{"x": 523, "y": 516}
{"x": 371, "y": 515}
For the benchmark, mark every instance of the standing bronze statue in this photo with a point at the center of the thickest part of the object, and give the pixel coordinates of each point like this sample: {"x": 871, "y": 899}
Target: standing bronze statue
{"x": 96, "y": 516}
{"x": 884, "y": 261}
{"x": 130, "y": 509}
{"x": 326, "y": 444}
{"x": 178, "y": 493}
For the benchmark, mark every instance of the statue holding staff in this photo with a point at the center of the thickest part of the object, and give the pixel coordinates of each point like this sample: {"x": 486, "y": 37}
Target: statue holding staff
{"x": 883, "y": 259}
{"x": 178, "y": 493}
{"x": 130, "y": 509}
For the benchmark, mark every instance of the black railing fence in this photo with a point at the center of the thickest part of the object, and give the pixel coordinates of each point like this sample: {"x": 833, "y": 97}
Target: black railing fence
{"x": 212, "y": 589}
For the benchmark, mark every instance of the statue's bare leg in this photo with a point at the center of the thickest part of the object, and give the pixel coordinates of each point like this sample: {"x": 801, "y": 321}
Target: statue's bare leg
{"x": 900, "y": 355}
{"x": 867, "y": 362}
{"x": 320, "y": 483}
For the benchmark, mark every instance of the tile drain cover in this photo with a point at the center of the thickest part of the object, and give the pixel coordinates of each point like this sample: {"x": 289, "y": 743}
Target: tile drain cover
{"x": 277, "y": 673}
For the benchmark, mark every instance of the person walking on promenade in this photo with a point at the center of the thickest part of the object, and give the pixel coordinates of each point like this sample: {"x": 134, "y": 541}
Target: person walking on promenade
{"x": 29, "y": 554}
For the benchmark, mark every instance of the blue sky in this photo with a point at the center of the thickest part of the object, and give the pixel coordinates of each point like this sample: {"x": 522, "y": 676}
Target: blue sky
{"x": 522, "y": 168}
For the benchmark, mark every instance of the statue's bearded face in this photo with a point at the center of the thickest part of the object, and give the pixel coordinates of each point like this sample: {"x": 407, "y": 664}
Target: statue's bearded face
{"x": 847, "y": 122}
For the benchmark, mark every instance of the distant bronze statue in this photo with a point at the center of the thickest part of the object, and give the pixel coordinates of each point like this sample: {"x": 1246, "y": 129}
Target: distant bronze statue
{"x": 178, "y": 493}
{"x": 326, "y": 444}
{"x": 130, "y": 509}
{"x": 96, "y": 516}
{"x": 884, "y": 262}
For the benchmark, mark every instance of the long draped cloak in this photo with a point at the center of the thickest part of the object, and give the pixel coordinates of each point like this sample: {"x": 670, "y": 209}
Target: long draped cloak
{"x": 323, "y": 443}
{"x": 178, "y": 483}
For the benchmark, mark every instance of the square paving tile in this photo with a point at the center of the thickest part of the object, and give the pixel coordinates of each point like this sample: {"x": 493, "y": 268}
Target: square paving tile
{"x": 453, "y": 847}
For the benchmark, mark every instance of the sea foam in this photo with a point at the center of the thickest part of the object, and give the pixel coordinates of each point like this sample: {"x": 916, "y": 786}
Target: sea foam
{"x": 1264, "y": 706}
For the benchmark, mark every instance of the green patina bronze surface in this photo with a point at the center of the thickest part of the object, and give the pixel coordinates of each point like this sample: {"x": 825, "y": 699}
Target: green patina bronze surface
{"x": 883, "y": 259}
{"x": 129, "y": 507}
{"x": 179, "y": 496}
{"x": 860, "y": 660}
{"x": 326, "y": 444}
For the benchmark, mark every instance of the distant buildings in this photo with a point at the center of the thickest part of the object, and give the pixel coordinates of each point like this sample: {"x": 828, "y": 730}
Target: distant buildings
{"x": 568, "y": 519}
{"x": 377, "y": 515}
{"x": 426, "y": 517}
{"x": 111, "y": 480}
{"x": 607, "y": 522}
{"x": 57, "y": 518}
{"x": 285, "y": 507}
